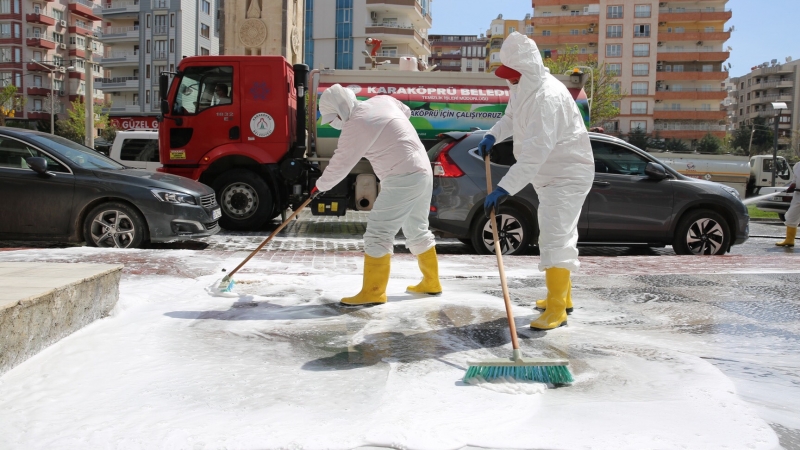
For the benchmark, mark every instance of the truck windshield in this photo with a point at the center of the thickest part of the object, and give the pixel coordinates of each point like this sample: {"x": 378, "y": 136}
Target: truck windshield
{"x": 202, "y": 88}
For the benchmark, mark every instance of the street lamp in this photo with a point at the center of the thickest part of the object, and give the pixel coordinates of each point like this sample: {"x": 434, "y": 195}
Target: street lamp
{"x": 778, "y": 107}
{"x": 52, "y": 96}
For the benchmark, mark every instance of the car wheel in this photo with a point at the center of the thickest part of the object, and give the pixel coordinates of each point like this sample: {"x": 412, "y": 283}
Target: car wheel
{"x": 702, "y": 233}
{"x": 115, "y": 224}
{"x": 245, "y": 199}
{"x": 515, "y": 232}
{"x": 782, "y": 216}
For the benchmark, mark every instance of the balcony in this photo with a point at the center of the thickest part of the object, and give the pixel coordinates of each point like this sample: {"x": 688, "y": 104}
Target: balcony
{"x": 663, "y": 113}
{"x": 86, "y": 9}
{"x": 692, "y": 15}
{"x": 121, "y": 8}
{"x": 132, "y": 107}
{"x": 691, "y": 94}
{"x": 777, "y": 84}
{"x": 42, "y": 17}
{"x": 406, "y": 34}
{"x": 160, "y": 4}
{"x": 691, "y": 55}
{"x": 565, "y": 39}
{"x": 691, "y": 75}
{"x": 693, "y": 35}
{"x": 81, "y": 29}
{"x": 159, "y": 56}
{"x": 117, "y": 83}
{"x": 8, "y": 38}
{"x": 772, "y": 98}
{"x": 40, "y": 40}
{"x": 566, "y": 18}
{"x": 160, "y": 30}
{"x": 120, "y": 59}
{"x": 121, "y": 34}
{"x": 541, "y": 3}
{"x": 409, "y": 9}
{"x": 42, "y": 91}
{"x": 40, "y": 67}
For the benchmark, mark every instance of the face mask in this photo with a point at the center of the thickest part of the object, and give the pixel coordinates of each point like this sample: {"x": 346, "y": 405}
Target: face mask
{"x": 336, "y": 123}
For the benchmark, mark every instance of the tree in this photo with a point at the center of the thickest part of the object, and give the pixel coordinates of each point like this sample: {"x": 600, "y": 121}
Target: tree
{"x": 599, "y": 85}
{"x": 10, "y": 102}
{"x": 709, "y": 144}
{"x": 676, "y": 145}
{"x": 74, "y": 127}
{"x": 762, "y": 137}
{"x": 656, "y": 142}
{"x": 639, "y": 138}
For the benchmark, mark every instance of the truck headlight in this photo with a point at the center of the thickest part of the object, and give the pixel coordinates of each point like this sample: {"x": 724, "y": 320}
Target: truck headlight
{"x": 731, "y": 191}
{"x": 177, "y": 198}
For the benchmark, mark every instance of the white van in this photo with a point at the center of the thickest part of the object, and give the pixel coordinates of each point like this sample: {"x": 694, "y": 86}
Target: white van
{"x": 138, "y": 149}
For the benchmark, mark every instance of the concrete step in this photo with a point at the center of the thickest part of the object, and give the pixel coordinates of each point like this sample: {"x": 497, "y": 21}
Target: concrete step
{"x": 41, "y": 303}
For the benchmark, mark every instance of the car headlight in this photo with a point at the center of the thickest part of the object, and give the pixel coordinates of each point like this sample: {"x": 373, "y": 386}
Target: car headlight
{"x": 177, "y": 198}
{"x": 731, "y": 191}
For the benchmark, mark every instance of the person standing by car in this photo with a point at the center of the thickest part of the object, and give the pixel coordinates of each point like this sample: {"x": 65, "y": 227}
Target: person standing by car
{"x": 792, "y": 215}
{"x": 553, "y": 152}
{"x": 379, "y": 130}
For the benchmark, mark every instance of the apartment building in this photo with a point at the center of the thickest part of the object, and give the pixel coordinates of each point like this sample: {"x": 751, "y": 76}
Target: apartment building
{"x": 42, "y": 50}
{"x": 143, "y": 38}
{"x": 753, "y": 94}
{"x": 458, "y": 53}
{"x": 499, "y": 29}
{"x": 668, "y": 58}
{"x": 336, "y": 31}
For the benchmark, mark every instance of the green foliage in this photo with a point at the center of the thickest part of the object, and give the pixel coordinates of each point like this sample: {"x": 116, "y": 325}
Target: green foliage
{"x": 639, "y": 138}
{"x": 602, "y": 109}
{"x": 709, "y": 144}
{"x": 676, "y": 145}
{"x": 10, "y": 102}
{"x": 74, "y": 127}
{"x": 656, "y": 142}
{"x": 762, "y": 137}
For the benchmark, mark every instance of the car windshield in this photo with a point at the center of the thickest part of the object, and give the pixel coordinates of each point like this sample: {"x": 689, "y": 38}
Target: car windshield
{"x": 80, "y": 155}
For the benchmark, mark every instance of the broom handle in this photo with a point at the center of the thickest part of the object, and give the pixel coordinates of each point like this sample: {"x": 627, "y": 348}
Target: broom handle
{"x": 499, "y": 254}
{"x": 266, "y": 241}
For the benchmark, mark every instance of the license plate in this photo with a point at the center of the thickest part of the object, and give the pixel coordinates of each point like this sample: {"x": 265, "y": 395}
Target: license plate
{"x": 216, "y": 214}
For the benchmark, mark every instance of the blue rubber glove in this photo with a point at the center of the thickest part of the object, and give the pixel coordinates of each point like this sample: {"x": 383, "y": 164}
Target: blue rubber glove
{"x": 485, "y": 146}
{"x": 494, "y": 199}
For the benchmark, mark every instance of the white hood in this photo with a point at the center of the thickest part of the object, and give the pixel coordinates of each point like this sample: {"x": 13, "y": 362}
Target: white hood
{"x": 337, "y": 100}
{"x": 521, "y": 54}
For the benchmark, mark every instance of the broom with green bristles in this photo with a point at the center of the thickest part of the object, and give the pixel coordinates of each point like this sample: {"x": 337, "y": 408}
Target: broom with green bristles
{"x": 553, "y": 371}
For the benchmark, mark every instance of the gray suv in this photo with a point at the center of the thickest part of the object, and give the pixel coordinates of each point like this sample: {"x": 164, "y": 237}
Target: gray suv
{"x": 635, "y": 200}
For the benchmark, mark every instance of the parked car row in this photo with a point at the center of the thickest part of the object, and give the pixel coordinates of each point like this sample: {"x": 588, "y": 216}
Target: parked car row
{"x": 55, "y": 189}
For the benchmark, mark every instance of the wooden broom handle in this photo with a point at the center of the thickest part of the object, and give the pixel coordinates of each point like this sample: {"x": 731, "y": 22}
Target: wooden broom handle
{"x": 499, "y": 254}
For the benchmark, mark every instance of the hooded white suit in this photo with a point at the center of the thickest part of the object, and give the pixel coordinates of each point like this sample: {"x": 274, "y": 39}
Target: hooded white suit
{"x": 378, "y": 129}
{"x": 552, "y": 149}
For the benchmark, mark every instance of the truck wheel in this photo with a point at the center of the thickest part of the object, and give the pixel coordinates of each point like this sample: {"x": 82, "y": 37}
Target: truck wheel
{"x": 515, "y": 232}
{"x": 245, "y": 199}
{"x": 702, "y": 232}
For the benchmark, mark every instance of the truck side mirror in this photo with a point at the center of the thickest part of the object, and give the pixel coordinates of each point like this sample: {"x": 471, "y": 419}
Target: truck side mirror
{"x": 655, "y": 171}
{"x": 163, "y": 86}
{"x": 164, "y": 107}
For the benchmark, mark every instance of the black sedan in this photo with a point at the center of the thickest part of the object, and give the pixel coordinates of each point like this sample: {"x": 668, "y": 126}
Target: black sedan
{"x": 635, "y": 200}
{"x": 54, "y": 189}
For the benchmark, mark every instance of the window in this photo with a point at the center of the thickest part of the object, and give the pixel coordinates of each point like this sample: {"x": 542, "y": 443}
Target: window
{"x": 172, "y": 20}
{"x": 705, "y": 107}
{"x": 615, "y": 87}
{"x": 139, "y": 150}
{"x": 640, "y": 125}
{"x": 641, "y": 11}
{"x": 205, "y": 6}
{"x": 545, "y": 32}
{"x": 675, "y": 106}
{"x": 147, "y": 21}
{"x": 203, "y": 87}
{"x": 641, "y": 50}
{"x": 614, "y": 31}
{"x": 615, "y": 105}
{"x": 641, "y": 30}
{"x": 641, "y": 70}
{"x": 614, "y": 12}
{"x": 610, "y": 126}
{"x": 147, "y": 96}
{"x": 614, "y": 69}
{"x": 677, "y": 68}
{"x": 709, "y": 29}
{"x": 205, "y": 31}
{"x": 708, "y": 68}
{"x": 638, "y": 107}
{"x": 147, "y": 71}
{"x": 172, "y": 45}
{"x": 574, "y": 32}
{"x": 614, "y": 159}
{"x": 613, "y": 50}
{"x": 13, "y": 154}
{"x": 639, "y": 88}
{"x": 147, "y": 46}
{"x": 37, "y": 104}
{"x": 204, "y": 51}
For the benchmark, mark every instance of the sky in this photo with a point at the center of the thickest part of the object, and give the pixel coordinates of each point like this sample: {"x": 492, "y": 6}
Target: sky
{"x": 756, "y": 36}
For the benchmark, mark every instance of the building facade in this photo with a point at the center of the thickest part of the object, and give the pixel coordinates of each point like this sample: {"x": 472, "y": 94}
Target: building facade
{"x": 43, "y": 49}
{"x": 499, "y": 29}
{"x": 668, "y": 58}
{"x": 753, "y": 94}
{"x": 458, "y": 53}
{"x": 337, "y": 31}
{"x": 143, "y": 38}
{"x": 265, "y": 27}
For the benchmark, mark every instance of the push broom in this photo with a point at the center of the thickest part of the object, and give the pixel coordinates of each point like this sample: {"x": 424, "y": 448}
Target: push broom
{"x": 552, "y": 371}
{"x": 227, "y": 283}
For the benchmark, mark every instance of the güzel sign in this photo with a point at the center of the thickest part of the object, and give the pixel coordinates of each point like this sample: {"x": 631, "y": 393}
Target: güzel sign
{"x": 134, "y": 123}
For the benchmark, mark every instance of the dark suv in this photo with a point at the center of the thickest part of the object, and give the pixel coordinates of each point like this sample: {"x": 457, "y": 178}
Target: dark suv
{"x": 635, "y": 200}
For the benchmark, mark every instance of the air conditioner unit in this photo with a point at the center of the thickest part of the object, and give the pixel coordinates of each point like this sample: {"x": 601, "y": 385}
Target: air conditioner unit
{"x": 662, "y": 4}
{"x": 63, "y": 23}
{"x": 62, "y": 46}
{"x": 699, "y": 43}
{"x": 564, "y": 7}
{"x": 592, "y": 44}
{"x": 62, "y": 69}
{"x": 61, "y": 93}
{"x": 373, "y": 15}
{"x": 661, "y": 24}
{"x": 660, "y": 43}
{"x": 592, "y": 24}
{"x": 591, "y": 30}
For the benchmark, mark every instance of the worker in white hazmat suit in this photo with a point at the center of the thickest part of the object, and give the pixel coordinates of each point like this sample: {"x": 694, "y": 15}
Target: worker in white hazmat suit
{"x": 553, "y": 152}
{"x": 379, "y": 130}
{"x": 792, "y": 215}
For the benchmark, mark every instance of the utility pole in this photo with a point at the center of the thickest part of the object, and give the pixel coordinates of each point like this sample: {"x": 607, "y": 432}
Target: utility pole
{"x": 89, "y": 94}
{"x": 750, "y": 147}
{"x": 775, "y": 148}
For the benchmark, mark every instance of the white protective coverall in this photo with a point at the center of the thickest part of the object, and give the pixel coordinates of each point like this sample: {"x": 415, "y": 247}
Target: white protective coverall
{"x": 793, "y": 213}
{"x": 552, "y": 149}
{"x": 378, "y": 129}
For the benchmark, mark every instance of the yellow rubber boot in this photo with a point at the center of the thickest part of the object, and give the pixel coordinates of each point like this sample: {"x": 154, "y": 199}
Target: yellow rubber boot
{"x": 542, "y": 304}
{"x": 791, "y": 232}
{"x": 556, "y": 313}
{"x": 376, "y": 277}
{"x": 429, "y": 266}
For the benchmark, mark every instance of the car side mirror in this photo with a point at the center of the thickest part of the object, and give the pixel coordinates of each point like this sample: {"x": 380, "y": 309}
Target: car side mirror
{"x": 38, "y": 165}
{"x": 655, "y": 171}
